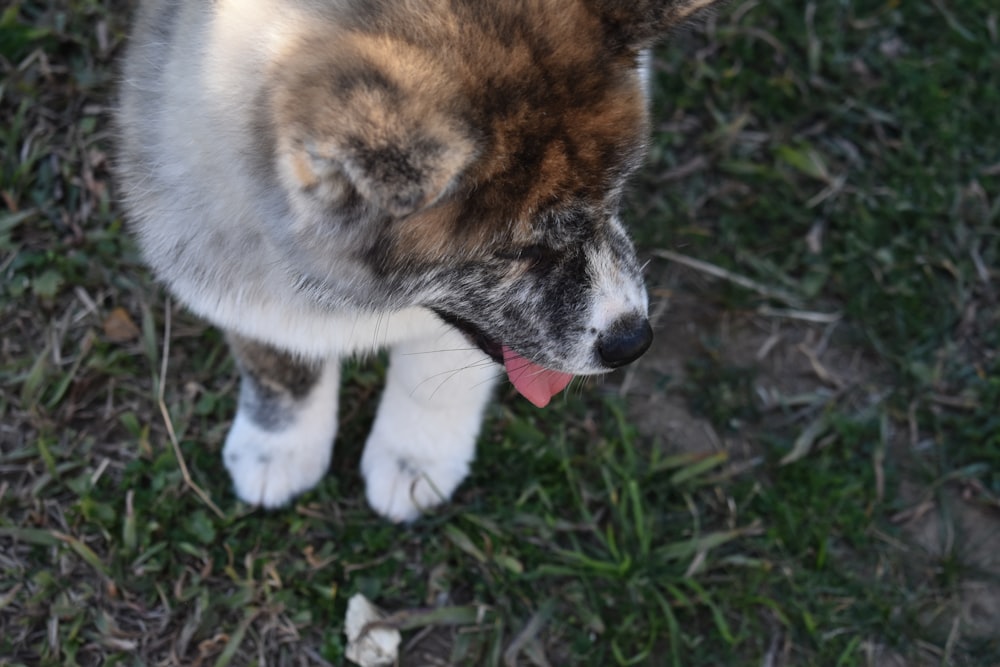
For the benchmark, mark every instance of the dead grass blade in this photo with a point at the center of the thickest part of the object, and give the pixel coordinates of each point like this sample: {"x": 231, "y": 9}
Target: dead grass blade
{"x": 735, "y": 278}
{"x": 528, "y": 634}
{"x": 802, "y": 315}
{"x": 806, "y": 439}
{"x": 236, "y": 639}
{"x": 83, "y": 551}
{"x": 168, "y": 422}
{"x": 411, "y": 619}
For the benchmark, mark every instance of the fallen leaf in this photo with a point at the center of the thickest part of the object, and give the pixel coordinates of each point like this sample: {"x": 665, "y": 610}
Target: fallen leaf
{"x": 119, "y": 327}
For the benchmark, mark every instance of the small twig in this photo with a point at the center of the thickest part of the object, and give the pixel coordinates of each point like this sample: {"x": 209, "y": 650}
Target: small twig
{"x": 804, "y": 315}
{"x": 821, "y": 371}
{"x": 770, "y": 658}
{"x": 735, "y": 278}
{"x": 419, "y": 637}
{"x": 981, "y": 270}
{"x": 878, "y": 464}
{"x": 953, "y": 636}
{"x": 439, "y": 617}
{"x": 953, "y": 23}
{"x": 768, "y": 345}
{"x": 835, "y": 188}
{"x": 169, "y": 423}
{"x": 957, "y": 402}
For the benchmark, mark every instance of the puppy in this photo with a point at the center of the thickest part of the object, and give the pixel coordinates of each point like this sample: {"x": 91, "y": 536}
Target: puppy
{"x": 442, "y": 177}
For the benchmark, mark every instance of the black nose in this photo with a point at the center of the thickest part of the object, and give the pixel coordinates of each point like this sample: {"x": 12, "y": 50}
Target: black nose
{"x": 624, "y": 341}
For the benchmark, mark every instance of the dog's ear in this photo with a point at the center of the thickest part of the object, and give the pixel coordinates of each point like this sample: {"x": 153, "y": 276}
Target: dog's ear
{"x": 635, "y": 24}
{"x": 405, "y": 166}
{"x": 400, "y": 159}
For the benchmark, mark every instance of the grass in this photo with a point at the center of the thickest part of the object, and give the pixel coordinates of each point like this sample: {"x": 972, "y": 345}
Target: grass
{"x": 843, "y": 154}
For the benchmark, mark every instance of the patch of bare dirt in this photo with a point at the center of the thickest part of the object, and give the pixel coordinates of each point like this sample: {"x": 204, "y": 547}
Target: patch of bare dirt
{"x": 793, "y": 366}
{"x": 955, "y": 547}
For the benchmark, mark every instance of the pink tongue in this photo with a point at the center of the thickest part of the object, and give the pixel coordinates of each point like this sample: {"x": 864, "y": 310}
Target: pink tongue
{"x": 535, "y": 383}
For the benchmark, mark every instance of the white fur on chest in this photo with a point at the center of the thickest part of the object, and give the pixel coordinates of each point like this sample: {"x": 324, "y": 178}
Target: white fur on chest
{"x": 313, "y": 333}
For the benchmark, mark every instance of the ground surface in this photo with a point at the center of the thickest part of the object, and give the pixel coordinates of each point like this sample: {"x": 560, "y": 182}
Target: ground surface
{"x": 804, "y": 470}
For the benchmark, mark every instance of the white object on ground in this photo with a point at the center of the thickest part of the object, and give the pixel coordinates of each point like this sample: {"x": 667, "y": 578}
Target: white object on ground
{"x": 376, "y": 647}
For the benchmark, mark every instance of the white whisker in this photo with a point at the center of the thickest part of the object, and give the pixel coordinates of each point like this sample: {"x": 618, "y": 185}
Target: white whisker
{"x": 484, "y": 363}
{"x": 452, "y": 349}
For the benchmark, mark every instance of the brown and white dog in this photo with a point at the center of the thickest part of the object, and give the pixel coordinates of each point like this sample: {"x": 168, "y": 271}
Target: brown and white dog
{"x": 322, "y": 177}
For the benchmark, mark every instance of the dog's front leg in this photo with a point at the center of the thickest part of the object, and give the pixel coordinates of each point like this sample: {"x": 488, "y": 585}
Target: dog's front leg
{"x": 424, "y": 436}
{"x": 282, "y": 439}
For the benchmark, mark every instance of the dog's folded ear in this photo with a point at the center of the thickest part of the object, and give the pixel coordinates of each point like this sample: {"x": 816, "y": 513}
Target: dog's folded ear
{"x": 398, "y": 158}
{"x": 636, "y": 24}
{"x": 405, "y": 166}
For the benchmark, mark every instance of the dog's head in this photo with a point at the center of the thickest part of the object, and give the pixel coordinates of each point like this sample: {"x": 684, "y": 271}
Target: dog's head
{"x": 472, "y": 155}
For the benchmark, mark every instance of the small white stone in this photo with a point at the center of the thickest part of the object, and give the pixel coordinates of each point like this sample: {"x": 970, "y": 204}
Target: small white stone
{"x": 378, "y": 647}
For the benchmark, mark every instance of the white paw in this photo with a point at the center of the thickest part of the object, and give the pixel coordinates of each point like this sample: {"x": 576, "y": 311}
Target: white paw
{"x": 424, "y": 435}
{"x": 400, "y": 488}
{"x": 270, "y": 467}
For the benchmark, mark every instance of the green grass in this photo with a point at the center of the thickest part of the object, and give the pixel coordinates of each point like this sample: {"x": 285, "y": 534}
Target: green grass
{"x": 844, "y": 153}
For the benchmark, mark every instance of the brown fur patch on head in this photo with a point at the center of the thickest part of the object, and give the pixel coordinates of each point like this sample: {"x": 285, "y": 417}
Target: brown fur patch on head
{"x": 469, "y": 121}
{"x": 562, "y": 119}
{"x": 368, "y": 106}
